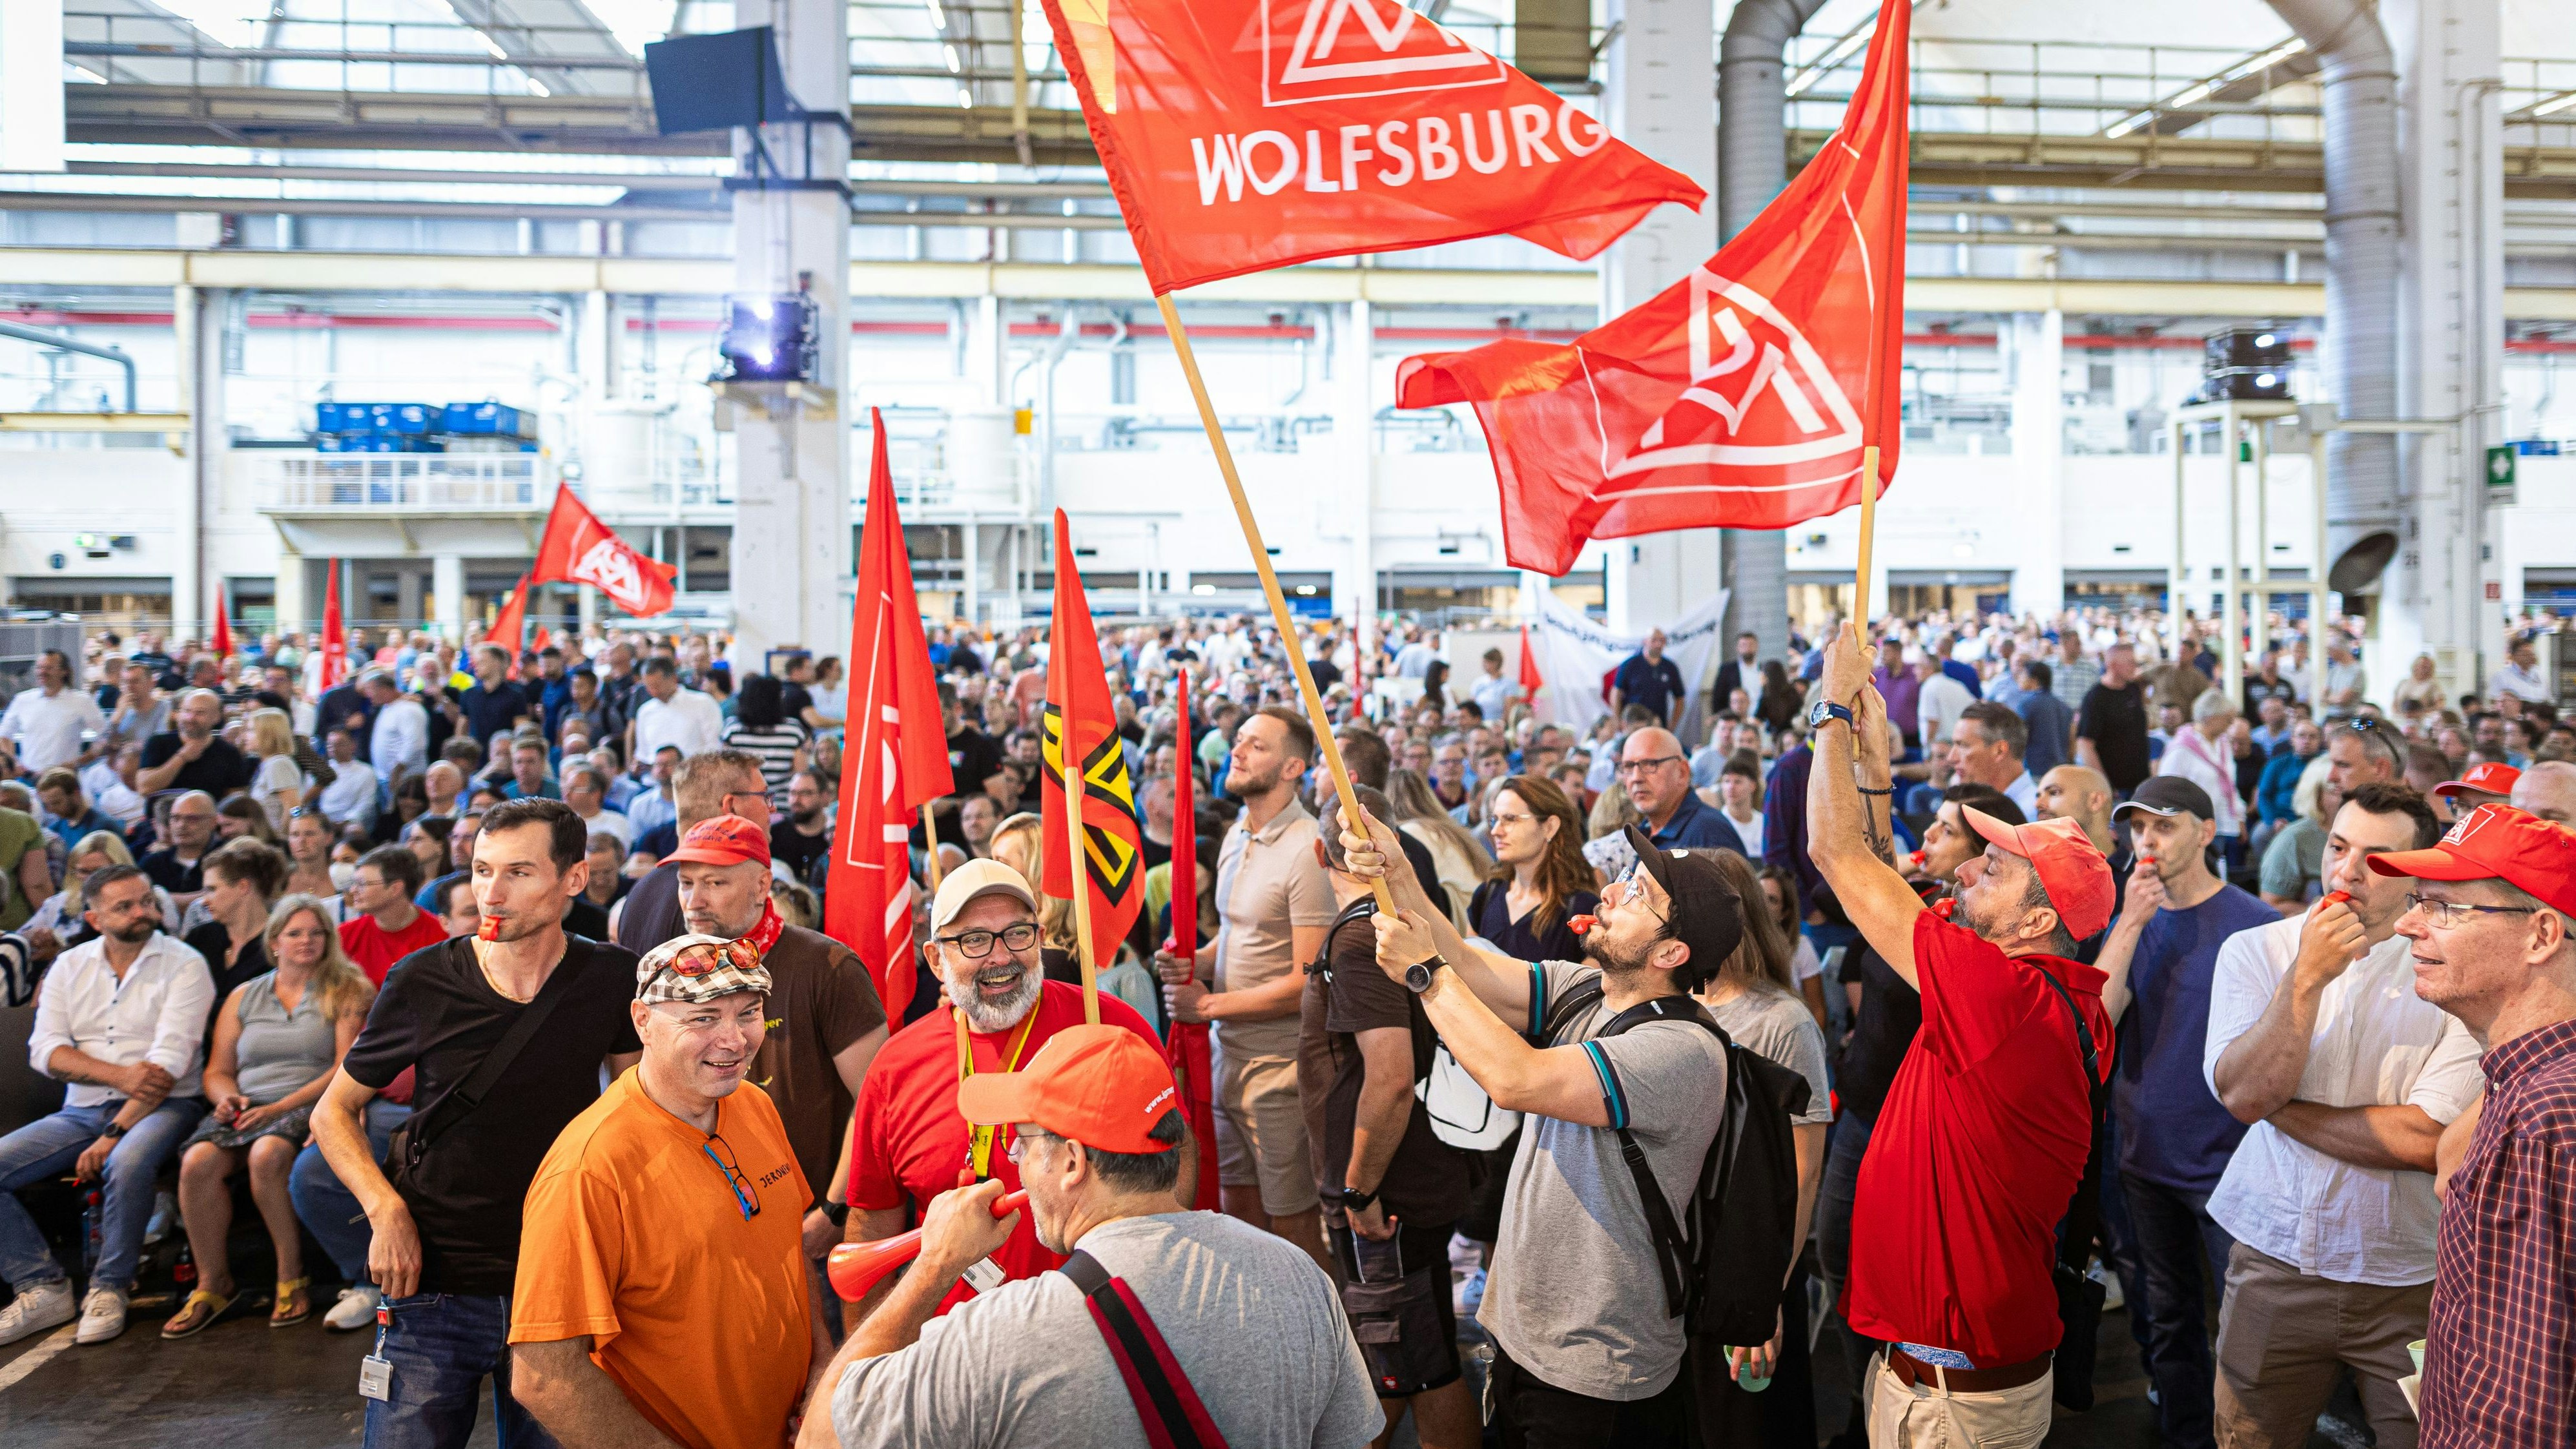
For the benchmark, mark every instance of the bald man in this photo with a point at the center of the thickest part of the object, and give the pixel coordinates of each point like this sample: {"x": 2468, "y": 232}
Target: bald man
{"x": 1657, "y": 773}
{"x": 2081, "y": 794}
{"x": 2548, "y": 790}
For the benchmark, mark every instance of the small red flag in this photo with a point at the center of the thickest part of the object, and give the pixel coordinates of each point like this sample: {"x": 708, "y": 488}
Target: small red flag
{"x": 1187, "y": 1050}
{"x": 1259, "y": 134}
{"x": 1741, "y": 396}
{"x": 579, "y": 549}
{"x": 509, "y": 623}
{"x": 1531, "y": 681}
{"x": 222, "y": 642}
{"x": 335, "y": 632}
{"x": 897, "y": 757}
{"x": 1077, "y": 707}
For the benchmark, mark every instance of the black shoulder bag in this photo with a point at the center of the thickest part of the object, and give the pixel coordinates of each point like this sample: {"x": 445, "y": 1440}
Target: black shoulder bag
{"x": 412, "y": 1140}
{"x": 2079, "y": 1298}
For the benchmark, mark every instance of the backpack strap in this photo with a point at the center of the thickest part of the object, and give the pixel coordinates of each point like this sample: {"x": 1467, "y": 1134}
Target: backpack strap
{"x": 459, "y": 1101}
{"x": 1672, "y": 1245}
{"x": 1358, "y": 910}
{"x": 2084, "y": 1210}
{"x": 1166, "y": 1406}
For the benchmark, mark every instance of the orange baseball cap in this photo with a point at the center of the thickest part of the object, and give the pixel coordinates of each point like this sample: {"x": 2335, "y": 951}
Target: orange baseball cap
{"x": 2497, "y": 842}
{"x": 1102, "y": 1086}
{"x": 723, "y": 840}
{"x": 2071, "y": 870}
{"x": 2492, "y": 776}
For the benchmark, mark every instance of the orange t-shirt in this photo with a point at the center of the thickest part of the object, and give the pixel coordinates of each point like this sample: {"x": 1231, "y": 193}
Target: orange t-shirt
{"x": 633, "y": 1236}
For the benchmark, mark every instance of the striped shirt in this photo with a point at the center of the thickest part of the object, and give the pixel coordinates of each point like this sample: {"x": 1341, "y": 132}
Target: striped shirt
{"x": 775, "y": 747}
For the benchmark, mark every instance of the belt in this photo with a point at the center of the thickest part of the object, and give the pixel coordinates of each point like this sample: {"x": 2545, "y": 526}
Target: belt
{"x": 1915, "y": 1373}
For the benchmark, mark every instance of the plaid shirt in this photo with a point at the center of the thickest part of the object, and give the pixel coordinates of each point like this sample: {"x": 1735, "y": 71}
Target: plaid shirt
{"x": 2500, "y": 1367}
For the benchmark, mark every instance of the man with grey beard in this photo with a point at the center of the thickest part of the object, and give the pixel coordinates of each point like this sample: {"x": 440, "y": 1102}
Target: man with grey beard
{"x": 908, "y": 1142}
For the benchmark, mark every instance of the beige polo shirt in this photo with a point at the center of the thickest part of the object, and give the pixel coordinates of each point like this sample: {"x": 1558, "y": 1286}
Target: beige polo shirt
{"x": 1267, "y": 885}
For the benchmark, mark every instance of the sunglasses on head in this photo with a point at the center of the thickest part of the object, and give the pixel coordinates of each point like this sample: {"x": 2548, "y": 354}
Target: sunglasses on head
{"x": 703, "y": 958}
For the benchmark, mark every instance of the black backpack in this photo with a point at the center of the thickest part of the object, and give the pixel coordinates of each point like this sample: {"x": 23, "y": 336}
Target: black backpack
{"x": 1724, "y": 1264}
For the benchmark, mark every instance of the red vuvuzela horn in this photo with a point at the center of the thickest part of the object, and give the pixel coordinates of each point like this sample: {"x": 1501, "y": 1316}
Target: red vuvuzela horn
{"x": 854, "y": 1268}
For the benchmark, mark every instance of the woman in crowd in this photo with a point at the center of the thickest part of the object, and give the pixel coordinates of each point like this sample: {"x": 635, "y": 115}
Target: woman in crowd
{"x": 308, "y": 859}
{"x": 278, "y": 1038}
{"x": 1540, "y": 880}
{"x": 2419, "y": 694}
{"x": 1435, "y": 684}
{"x": 411, "y": 802}
{"x": 1780, "y": 898}
{"x": 1754, "y": 997}
{"x": 277, "y": 782}
{"x": 426, "y": 838}
{"x": 1783, "y": 703}
{"x": 62, "y": 911}
{"x": 830, "y": 692}
{"x": 240, "y": 817}
{"x": 242, "y": 877}
{"x": 1461, "y": 860}
{"x": 760, "y": 725}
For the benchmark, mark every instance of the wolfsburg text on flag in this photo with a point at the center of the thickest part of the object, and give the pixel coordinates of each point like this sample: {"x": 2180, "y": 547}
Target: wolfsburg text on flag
{"x": 1078, "y": 709}
{"x": 1741, "y": 396}
{"x": 1241, "y": 135}
{"x": 897, "y": 755}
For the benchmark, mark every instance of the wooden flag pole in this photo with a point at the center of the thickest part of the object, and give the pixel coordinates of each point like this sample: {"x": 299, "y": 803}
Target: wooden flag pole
{"x": 1078, "y": 864}
{"x": 1868, "y": 536}
{"x": 1279, "y": 615}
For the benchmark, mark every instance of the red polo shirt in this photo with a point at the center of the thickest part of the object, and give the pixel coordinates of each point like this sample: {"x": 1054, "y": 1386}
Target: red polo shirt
{"x": 910, "y": 1139}
{"x": 375, "y": 950}
{"x": 1976, "y": 1154}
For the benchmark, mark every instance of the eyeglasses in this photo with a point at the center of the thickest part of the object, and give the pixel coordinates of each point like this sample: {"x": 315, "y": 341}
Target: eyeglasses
{"x": 1629, "y": 886}
{"x": 1021, "y": 1137}
{"x": 743, "y": 1195}
{"x": 2450, "y": 915}
{"x": 1503, "y": 818}
{"x": 1637, "y": 767}
{"x": 976, "y": 945}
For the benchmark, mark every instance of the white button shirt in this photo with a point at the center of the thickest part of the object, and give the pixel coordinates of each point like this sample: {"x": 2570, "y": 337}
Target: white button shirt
{"x": 157, "y": 1013}
{"x": 47, "y": 727}
{"x": 690, "y": 719}
{"x": 2377, "y": 1044}
{"x": 400, "y": 738}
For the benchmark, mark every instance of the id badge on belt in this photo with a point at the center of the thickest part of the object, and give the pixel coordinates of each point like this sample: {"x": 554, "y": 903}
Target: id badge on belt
{"x": 375, "y": 1371}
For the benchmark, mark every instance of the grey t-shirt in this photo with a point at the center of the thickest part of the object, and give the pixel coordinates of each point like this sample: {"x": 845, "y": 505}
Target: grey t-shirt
{"x": 1770, "y": 1022}
{"x": 1258, "y": 1330}
{"x": 1574, "y": 1295}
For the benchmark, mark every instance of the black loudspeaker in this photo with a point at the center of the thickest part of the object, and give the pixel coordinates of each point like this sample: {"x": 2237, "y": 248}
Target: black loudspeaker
{"x": 717, "y": 82}
{"x": 2266, "y": 348}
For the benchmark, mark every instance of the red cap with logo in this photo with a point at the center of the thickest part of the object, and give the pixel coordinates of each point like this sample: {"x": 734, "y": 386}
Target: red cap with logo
{"x": 1102, "y": 1086}
{"x": 2071, "y": 870}
{"x": 723, "y": 840}
{"x": 2492, "y": 776}
{"x": 2498, "y": 842}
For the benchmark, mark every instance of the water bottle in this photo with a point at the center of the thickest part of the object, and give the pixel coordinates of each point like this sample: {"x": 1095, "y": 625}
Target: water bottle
{"x": 1744, "y": 1377}
{"x": 184, "y": 1272}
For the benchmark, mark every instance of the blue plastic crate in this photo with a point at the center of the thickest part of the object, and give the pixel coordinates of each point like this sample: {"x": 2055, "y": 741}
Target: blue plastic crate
{"x": 485, "y": 419}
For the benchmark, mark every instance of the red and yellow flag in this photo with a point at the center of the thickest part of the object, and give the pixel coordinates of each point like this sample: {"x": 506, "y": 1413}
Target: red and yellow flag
{"x": 1741, "y": 396}
{"x": 897, "y": 758}
{"x": 1262, "y": 133}
{"x": 1078, "y": 708}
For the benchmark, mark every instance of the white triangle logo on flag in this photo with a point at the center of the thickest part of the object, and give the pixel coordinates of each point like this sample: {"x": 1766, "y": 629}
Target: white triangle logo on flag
{"x": 1340, "y": 49}
{"x": 1759, "y": 393}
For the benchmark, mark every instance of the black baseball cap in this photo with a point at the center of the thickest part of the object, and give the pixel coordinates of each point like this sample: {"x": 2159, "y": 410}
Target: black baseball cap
{"x": 2168, "y": 796}
{"x": 1707, "y": 915}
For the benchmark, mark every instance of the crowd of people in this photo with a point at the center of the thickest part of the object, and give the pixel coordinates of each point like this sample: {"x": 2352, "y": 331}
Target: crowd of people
{"x": 2061, "y": 969}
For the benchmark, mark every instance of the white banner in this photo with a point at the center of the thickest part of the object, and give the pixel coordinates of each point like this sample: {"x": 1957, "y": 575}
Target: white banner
{"x": 1576, "y": 656}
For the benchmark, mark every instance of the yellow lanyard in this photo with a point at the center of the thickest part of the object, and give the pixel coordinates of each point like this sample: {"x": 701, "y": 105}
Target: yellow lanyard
{"x": 979, "y": 1138}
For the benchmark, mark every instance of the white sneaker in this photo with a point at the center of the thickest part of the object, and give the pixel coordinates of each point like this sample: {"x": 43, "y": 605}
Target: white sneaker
{"x": 355, "y": 1310}
{"x": 102, "y": 1316}
{"x": 47, "y": 1305}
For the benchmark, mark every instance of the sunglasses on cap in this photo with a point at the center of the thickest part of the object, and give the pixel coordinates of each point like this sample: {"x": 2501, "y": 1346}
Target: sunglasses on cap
{"x": 704, "y": 958}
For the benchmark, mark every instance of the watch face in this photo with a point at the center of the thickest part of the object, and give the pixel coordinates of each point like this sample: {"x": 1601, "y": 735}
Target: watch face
{"x": 1417, "y": 977}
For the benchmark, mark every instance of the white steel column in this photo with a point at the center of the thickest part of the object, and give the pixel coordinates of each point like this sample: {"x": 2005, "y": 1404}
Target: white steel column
{"x": 1660, "y": 97}
{"x": 447, "y": 593}
{"x": 791, "y": 539}
{"x": 294, "y": 611}
{"x": 2231, "y": 576}
{"x": 196, "y": 315}
{"x": 2039, "y": 464}
{"x": 1355, "y": 426}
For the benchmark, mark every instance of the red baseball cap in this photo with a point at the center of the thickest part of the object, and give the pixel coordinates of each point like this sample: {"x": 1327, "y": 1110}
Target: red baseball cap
{"x": 2492, "y": 776}
{"x": 723, "y": 840}
{"x": 2071, "y": 870}
{"x": 2497, "y": 842}
{"x": 1101, "y": 1086}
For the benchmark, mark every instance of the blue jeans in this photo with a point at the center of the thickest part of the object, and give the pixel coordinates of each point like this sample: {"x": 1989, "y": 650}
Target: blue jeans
{"x": 2177, "y": 1241}
{"x": 49, "y": 1147}
{"x": 331, "y": 1212}
{"x": 1834, "y": 1198}
{"x": 441, "y": 1346}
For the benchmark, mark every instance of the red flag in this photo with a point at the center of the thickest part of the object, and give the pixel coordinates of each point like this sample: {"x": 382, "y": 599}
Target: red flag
{"x": 1253, "y": 135}
{"x": 579, "y": 549}
{"x": 1740, "y": 396}
{"x": 1187, "y": 1050}
{"x": 335, "y": 632}
{"x": 898, "y": 753}
{"x": 1078, "y": 691}
{"x": 1531, "y": 680}
{"x": 222, "y": 643}
{"x": 508, "y": 624}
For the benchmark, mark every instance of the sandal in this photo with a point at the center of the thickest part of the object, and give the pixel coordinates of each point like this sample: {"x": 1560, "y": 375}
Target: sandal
{"x": 291, "y": 1288}
{"x": 201, "y": 1312}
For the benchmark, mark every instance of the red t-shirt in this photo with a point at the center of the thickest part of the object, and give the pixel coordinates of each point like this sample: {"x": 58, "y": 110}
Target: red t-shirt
{"x": 911, "y": 1141}
{"x": 376, "y": 949}
{"x": 1976, "y": 1154}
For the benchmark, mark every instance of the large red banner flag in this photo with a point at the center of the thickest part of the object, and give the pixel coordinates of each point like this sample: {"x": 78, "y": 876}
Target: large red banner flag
{"x": 1241, "y": 135}
{"x": 335, "y": 632}
{"x": 1741, "y": 396}
{"x": 579, "y": 549}
{"x": 897, "y": 756}
{"x": 1078, "y": 709}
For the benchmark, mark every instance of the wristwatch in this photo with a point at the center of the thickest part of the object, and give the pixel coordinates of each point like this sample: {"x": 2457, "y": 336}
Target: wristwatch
{"x": 113, "y": 1131}
{"x": 1825, "y": 709}
{"x": 1417, "y": 977}
{"x": 1354, "y": 1201}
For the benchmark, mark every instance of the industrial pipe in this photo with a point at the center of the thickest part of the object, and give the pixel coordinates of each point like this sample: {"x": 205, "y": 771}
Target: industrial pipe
{"x": 59, "y": 341}
{"x": 2363, "y": 262}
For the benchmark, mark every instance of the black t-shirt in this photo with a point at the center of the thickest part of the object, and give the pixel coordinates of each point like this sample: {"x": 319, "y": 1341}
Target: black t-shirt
{"x": 1325, "y": 673}
{"x": 340, "y": 705}
{"x": 586, "y": 917}
{"x": 219, "y": 771}
{"x": 973, "y": 758}
{"x": 794, "y": 700}
{"x": 490, "y": 711}
{"x": 652, "y": 914}
{"x": 1490, "y": 912}
{"x": 211, "y": 940}
{"x": 1426, "y": 1181}
{"x": 165, "y": 870}
{"x": 797, "y": 848}
{"x": 438, "y": 1013}
{"x": 2115, "y": 720}
{"x": 1883, "y": 1030}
